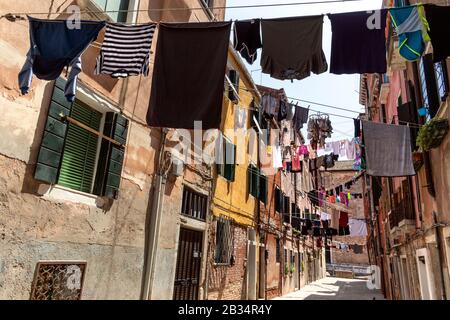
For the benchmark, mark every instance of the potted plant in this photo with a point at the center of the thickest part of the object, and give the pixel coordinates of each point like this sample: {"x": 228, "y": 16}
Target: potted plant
{"x": 292, "y": 270}
{"x": 432, "y": 133}
{"x": 286, "y": 270}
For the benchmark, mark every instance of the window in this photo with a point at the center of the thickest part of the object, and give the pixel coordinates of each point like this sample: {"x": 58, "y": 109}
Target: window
{"x": 433, "y": 82}
{"x": 194, "y": 204}
{"x": 224, "y": 241}
{"x": 440, "y": 69}
{"x": 278, "y": 200}
{"x": 58, "y": 281}
{"x": 115, "y": 9}
{"x": 227, "y": 168}
{"x": 233, "y": 90}
{"x": 285, "y": 257}
{"x": 253, "y": 181}
{"x": 286, "y": 209}
{"x": 278, "y": 251}
{"x": 81, "y": 149}
{"x": 263, "y": 186}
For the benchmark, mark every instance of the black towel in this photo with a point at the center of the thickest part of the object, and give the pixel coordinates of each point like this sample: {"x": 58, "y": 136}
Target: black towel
{"x": 247, "y": 39}
{"x": 188, "y": 76}
{"x": 438, "y": 17}
{"x": 354, "y": 47}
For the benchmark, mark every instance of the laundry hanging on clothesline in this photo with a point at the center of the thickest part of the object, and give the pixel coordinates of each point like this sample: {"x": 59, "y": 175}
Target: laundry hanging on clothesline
{"x": 357, "y": 47}
{"x": 388, "y": 150}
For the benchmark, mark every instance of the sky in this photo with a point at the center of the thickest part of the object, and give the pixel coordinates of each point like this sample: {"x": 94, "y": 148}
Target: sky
{"x": 337, "y": 90}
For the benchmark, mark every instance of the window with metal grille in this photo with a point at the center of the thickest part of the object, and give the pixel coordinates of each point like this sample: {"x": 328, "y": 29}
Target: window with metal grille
{"x": 224, "y": 241}
{"x": 194, "y": 204}
{"x": 58, "y": 281}
{"x": 227, "y": 160}
{"x": 423, "y": 84}
{"x": 115, "y": 9}
{"x": 81, "y": 148}
{"x": 278, "y": 251}
{"x": 233, "y": 86}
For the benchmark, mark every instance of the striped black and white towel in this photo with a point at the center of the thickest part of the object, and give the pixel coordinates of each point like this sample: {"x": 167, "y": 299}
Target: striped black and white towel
{"x": 125, "y": 50}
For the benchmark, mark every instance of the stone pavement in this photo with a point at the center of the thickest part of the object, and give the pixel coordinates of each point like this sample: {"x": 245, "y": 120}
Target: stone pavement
{"x": 335, "y": 289}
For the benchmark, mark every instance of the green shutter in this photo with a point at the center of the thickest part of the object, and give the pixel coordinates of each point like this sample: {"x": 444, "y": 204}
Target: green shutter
{"x": 112, "y": 156}
{"x": 49, "y": 158}
{"x": 278, "y": 200}
{"x": 253, "y": 181}
{"x": 80, "y": 150}
{"x": 233, "y": 75}
{"x": 230, "y": 156}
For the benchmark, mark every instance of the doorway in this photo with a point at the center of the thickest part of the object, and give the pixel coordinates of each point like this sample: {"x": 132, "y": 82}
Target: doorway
{"x": 187, "y": 273}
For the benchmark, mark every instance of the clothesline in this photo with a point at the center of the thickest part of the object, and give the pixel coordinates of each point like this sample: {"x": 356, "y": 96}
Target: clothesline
{"x": 412, "y": 124}
{"x": 195, "y": 8}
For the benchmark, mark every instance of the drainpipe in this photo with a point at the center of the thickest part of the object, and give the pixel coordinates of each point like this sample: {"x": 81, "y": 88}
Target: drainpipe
{"x": 154, "y": 222}
{"x": 438, "y": 226}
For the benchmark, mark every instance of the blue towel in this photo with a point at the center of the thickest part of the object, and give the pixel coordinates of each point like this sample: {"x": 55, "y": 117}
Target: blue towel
{"x": 412, "y": 33}
{"x": 55, "y": 46}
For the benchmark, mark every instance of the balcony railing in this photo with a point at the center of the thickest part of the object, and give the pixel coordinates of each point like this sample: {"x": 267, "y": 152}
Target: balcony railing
{"x": 402, "y": 211}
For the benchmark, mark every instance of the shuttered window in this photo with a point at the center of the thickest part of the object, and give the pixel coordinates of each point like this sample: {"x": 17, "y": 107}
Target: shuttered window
{"x": 224, "y": 241}
{"x": 263, "y": 186}
{"x": 278, "y": 200}
{"x": 233, "y": 91}
{"x": 76, "y": 152}
{"x": 227, "y": 168}
{"x": 194, "y": 204}
{"x": 116, "y": 9}
{"x": 253, "y": 181}
{"x": 278, "y": 250}
{"x": 80, "y": 150}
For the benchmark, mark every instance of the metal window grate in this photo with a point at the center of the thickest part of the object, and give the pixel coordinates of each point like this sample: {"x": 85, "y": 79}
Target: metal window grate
{"x": 58, "y": 281}
{"x": 194, "y": 204}
{"x": 224, "y": 241}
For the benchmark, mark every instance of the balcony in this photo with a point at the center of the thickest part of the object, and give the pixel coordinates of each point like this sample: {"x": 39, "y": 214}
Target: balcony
{"x": 402, "y": 218}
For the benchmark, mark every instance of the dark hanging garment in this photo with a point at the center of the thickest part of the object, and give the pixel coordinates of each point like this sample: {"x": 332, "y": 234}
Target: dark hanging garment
{"x": 388, "y": 150}
{"x": 247, "y": 39}
{"x": 53, "y": 46}
{"x": 188, "y": 76}
{"x": 355, "y": 48}
{"x": 292, "y": 47}
{"x": 357, "y": 124}
{"x": 438, "y": 20}
{"x": 300, "y": 118}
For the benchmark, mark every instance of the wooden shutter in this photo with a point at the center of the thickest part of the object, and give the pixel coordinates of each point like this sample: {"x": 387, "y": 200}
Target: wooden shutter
{"x": 230, "y": 161}
{"x": 233, "y": 75}
{"x": 253, "y": 181}
{"x": 111, "y": 156}
{"x": 278, "y": 200}
{"x": 263, "y": 189}
{"x": 80, "y": 149}
{"x": 432, "y": 90}
{"x": 52, "y": 144}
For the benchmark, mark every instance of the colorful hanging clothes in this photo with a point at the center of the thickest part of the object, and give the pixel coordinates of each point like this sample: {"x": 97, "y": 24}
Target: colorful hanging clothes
{"x": 411, "y": 26}
{"x": 277, "y": 157}
{"x": 270, "y": 105}
{"x": 54, "y": 46}
{"x": 188, "y": 55}
{"x": 247, "y": 38}
{"x": 438, "y": 20}
{"x": 296, "y": 163}
{"x": 355, "y": 47}
{"x": 293, "y": 47}
{"x": 125, "y": 50}
{"x": 388, "y": 150}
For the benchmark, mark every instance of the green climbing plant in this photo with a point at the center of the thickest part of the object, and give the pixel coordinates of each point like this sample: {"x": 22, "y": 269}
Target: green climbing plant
{"x": 432, "y": 133}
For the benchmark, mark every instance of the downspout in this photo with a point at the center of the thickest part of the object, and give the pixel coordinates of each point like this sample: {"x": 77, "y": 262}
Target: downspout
{"x": 154, "y": 222}
{"x": 441, "y": 254}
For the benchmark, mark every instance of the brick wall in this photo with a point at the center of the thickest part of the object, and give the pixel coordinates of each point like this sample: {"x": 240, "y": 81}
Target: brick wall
{"x": 228, "y": 282}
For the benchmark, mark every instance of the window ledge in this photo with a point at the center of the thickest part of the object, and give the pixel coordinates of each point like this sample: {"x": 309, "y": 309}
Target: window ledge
{"x": 60, "y": 194}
